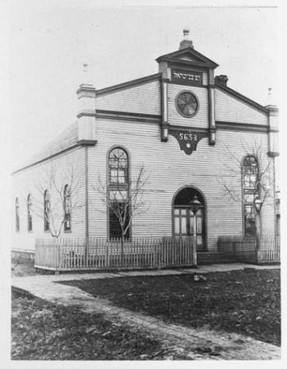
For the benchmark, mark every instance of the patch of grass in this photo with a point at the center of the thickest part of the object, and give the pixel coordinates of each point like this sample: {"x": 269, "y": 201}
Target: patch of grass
{"x": 43, "y": 331}
{"x": 246, "y": 302}
{"x": 22, "y": 267}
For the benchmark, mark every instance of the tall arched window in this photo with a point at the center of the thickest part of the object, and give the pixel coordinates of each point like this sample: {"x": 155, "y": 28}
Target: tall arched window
{"x": 46, "y": 210}
{"x": 67, "y": 208}
{"x": 17, "y": 223}
{"x": 118, "y": 192}
{"x": 250, "y": 179}
{"x": 29, "y": 213}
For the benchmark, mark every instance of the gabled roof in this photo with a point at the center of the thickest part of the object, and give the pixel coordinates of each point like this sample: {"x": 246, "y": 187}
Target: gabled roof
{"x": 241, "y": 97}
{"x": 65, "y": 140}
{"x": 128, "y": 84}
{"x": 188, "y": 56}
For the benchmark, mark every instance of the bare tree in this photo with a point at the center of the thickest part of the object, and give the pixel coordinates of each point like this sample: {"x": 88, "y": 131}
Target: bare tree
{"x": 251, "y": 173}
{"x": 124, "y": 198}
{"x": 56, "y": 196}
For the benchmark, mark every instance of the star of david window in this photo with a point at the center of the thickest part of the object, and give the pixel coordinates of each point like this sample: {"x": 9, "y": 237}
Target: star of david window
{"x": 186, "y": 104}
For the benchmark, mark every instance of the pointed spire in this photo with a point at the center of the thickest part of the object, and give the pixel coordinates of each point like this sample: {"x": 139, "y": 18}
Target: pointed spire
{"x": 186, "y": 42}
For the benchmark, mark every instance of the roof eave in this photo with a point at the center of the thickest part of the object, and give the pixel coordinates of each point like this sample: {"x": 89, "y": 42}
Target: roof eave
{"x": 128, "y": 84}
{"x": 172, "y": 55}
{"x": 209, "y": 65}
{"x": 242, "y": 97}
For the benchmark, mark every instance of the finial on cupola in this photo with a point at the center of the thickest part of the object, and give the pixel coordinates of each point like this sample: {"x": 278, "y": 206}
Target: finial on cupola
{"x": 186, "y": 42}
{"x": 85, "y": 74}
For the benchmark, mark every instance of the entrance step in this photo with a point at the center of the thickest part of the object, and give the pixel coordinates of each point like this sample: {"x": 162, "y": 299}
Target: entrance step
{"x": 214, "y": 257}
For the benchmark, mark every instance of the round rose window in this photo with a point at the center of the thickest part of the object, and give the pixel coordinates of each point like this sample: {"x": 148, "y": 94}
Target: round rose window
{"x": 186, "y": 104}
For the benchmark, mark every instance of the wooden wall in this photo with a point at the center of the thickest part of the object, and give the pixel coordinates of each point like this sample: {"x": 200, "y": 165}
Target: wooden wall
{"x": 32, "y": 181}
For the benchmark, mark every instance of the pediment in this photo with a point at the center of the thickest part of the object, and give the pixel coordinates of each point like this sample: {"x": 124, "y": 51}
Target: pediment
{"x": 188, "y": 56}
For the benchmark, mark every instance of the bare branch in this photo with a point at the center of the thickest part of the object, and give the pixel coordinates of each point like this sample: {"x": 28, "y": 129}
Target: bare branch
{"x": 259, "y": 182}
{"x": 54, "y": 179}
{"x": 124, "y": 199}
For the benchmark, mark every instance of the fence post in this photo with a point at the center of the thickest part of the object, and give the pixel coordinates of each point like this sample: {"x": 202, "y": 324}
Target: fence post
{"x": 57, "y": 251}
{"x": 107, "y": 254}
{"x": 86, "y": 252}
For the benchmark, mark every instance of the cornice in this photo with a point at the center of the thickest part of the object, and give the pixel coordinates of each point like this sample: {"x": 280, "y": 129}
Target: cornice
{"x": 193, "y": 129}
{"x": 80, "y": 143}
{"x": 86, "y": 114}
{"x": 191, "y": 51}
{"x": 234, "y": 126}
{"x": 178, "y": 62}
{"x": 45, "y": 158}
{"x": 128, "y": 84}
{"x": 121, "y": 115}
{"x": 241, "y": 97}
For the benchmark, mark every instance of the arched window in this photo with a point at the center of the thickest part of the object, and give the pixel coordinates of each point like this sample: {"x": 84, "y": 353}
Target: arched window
{"x": 29, "y": 213}
{"x": 250, "y": 179}
{"x": 118, "y": 192}
{"x": 17, "y": 223}
{"x": 46, "y": 210}
{"x": 67, "y": 208}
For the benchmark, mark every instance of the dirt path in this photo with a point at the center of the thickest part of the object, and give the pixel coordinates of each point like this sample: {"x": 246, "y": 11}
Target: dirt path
{"x": 199, "y": 344}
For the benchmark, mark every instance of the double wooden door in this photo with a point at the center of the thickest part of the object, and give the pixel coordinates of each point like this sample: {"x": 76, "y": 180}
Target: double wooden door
{"x": 188, "y": 224}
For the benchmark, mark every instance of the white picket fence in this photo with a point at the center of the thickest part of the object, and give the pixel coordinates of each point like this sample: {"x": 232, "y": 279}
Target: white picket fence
{"x": 66, "y": 254}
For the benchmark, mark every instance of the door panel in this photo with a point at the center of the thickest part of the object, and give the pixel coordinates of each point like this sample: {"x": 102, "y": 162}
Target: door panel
{"x": 184, "y": 224}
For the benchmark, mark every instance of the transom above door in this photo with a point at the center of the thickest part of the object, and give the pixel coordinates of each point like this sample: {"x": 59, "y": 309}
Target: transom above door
{"x": 185, "y": 222}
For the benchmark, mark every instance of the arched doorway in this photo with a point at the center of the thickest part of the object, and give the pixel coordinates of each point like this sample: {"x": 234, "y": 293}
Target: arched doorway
{"x": 184, "y": 222}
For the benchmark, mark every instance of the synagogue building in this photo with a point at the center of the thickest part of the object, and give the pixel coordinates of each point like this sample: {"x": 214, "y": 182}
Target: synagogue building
{"x": 162, "y": 142}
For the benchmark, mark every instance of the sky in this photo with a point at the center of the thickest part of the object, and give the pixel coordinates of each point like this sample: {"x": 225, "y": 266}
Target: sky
{"x": 50, "y": 44}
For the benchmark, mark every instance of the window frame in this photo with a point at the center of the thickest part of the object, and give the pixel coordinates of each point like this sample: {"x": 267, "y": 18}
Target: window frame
{"x": 249, "y": 169}
{"x": 177, "y": 104}
{"x": 67, "y": 196}
{"x": 121, "y": 187}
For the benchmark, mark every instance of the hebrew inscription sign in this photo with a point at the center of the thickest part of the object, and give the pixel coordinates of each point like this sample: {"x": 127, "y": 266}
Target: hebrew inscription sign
{"x": 186, "y": 77}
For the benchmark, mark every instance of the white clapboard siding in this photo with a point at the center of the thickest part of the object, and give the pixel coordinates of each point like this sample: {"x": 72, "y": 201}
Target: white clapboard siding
{"x": 200, "y": 119}
{"x": 170, "y": 169}
{"x": 28, "y": 181}
{"x": 230, "y": 109}
{"x": 144, "y": 99}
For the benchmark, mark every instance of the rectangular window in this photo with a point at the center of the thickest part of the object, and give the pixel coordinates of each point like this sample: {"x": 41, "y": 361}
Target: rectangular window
{"x": 250, "y": 220}
{"x": 115, "y": 227}
{"x": 67, "y": 223}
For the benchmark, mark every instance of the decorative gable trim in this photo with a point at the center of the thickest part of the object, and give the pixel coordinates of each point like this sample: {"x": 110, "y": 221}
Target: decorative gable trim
{"x": 129, "y": 84}
{"x": 240, "y": 97}
{"x": 195, "y": 57}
